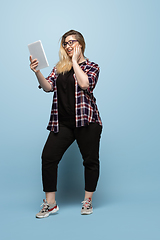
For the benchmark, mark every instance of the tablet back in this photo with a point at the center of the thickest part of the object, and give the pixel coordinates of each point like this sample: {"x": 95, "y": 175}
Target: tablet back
{"x": 37, "y": 51}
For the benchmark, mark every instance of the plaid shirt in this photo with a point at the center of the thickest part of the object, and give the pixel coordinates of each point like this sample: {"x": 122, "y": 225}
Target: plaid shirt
{"x": 86, "y": 110}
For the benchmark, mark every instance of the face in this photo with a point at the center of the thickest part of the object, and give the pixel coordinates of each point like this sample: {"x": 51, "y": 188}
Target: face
{"x": 69, "y": 49}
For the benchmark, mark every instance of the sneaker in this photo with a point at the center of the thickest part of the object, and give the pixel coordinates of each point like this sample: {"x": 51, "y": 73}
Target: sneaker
{"x": 87, "y": 206}
{"x": 47, "y": 209}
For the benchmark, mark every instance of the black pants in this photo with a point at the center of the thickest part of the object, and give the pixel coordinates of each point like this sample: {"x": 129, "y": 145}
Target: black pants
{"x": 88, "y": 139}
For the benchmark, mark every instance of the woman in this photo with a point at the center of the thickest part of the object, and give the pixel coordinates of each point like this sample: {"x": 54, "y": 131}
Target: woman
{"x": 74, "y": 116}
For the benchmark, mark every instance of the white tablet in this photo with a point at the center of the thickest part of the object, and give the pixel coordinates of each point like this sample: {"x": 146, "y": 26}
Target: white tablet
{"x": 37, "y": 51}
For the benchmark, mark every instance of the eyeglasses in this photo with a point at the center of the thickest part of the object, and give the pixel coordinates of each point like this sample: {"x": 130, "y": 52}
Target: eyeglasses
{"x": 70, "y": 43}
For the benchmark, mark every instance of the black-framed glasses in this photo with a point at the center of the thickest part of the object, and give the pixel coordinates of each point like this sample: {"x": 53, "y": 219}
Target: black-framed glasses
{"x": 70, "y": 43}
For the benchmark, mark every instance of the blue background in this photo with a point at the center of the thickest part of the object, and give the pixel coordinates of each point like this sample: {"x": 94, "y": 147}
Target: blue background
{"x": 123, "y": 38}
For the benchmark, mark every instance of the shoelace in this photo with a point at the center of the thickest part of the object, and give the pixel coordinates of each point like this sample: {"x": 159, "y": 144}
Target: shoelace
{"x": 45, "y": 206}
{"x": 86, "y": 203}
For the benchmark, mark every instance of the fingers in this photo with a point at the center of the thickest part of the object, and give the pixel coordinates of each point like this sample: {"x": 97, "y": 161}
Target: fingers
{"x": 77, "y": 50}
{"x": 30, "y": 58}
{"x": 76, "y": 53}
{"x": 33, "y": 64}
{"x": 77, "y": 47}
{"x": 34, "y": 61}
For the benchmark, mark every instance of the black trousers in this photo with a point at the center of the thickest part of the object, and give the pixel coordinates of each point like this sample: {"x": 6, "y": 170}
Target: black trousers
{"x": 88, "y": 139}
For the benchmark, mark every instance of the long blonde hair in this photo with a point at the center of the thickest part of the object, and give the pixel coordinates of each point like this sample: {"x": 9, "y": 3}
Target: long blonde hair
{"x": 65, "y": 62}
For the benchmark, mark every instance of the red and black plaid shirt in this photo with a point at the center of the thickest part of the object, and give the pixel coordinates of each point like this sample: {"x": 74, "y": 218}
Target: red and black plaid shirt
{"x": 86, "y": 110}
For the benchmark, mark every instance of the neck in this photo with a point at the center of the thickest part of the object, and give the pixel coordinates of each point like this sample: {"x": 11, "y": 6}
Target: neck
{"x": 82, "y": 59}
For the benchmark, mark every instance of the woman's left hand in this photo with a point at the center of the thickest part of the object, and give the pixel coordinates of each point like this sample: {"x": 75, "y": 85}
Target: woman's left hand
{"x": 76, "y": 54}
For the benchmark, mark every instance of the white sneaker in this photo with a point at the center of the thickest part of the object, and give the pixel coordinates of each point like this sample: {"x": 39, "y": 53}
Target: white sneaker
{"x": 87, "y": 206}
{"x": 47, "y": 209}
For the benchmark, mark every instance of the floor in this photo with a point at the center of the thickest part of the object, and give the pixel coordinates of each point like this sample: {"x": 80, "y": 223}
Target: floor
{"x": 124, "y": 220}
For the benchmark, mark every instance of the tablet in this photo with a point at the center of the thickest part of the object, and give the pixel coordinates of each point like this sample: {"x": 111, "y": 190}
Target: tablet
{"x": 37, "y": 51}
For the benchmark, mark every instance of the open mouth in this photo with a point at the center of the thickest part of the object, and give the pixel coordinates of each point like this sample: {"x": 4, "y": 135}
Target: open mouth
{"x": 69, "y": 50}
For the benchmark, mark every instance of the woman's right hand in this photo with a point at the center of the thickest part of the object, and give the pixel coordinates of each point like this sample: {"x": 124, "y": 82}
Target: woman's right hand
{"x": 33, "y": 64}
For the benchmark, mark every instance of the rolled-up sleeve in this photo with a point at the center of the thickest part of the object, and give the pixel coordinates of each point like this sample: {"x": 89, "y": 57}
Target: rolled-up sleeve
{"x": 93, "y": 73}
{"x": 51, "y": 78}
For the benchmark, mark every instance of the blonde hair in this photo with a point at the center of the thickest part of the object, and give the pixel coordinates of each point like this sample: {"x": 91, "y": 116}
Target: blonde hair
{"x": 65, "y": 62}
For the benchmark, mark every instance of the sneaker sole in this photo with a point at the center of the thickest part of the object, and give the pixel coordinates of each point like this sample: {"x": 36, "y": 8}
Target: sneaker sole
{"x": 86, "y": 213}
{"x": 47, "y": 214}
